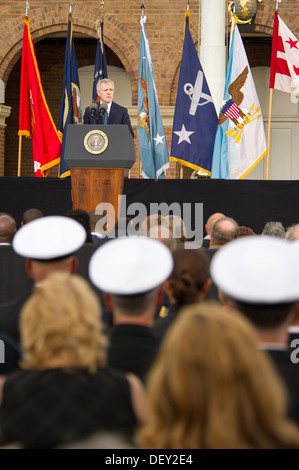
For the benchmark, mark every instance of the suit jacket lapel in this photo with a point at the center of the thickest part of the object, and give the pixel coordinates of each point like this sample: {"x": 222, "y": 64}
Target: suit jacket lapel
{"x": 111, "y": 114}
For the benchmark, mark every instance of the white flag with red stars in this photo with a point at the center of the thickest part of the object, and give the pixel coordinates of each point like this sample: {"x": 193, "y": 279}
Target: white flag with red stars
{"x": 284, "y": 74}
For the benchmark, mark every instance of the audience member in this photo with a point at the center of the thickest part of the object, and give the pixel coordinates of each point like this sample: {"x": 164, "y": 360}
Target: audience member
{"x": 178, "y": 230}
{"x": 150, "y": 225}
{"x": 82, "y": 217}
{"x": 69, "y": 392}
{"x": 10, "y": 354}
{"x": 292, "y": 232}
{"x": 130, "y": 272}
{"x": 8, "y": 228}
{"x": 274, "y": 229}
{"x": 260, "y": 274}
{"x": 189, "y": 282}
{"x": 48, "y": 244}
{"x": 223, "y": 231}
{"x": 245, "y": 231}
{"x": 97, "y": 232}
{"x": 212, "y": 388}
{"x": 208, "y": 227}
{"x": 31, "y": 214}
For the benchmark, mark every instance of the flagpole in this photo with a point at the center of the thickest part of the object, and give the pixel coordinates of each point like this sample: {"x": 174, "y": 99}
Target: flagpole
{"x": 20, "y": 155}
{"x": 26, "y": 8}
{"x": 181, "y": 166}
{"x": 139, "y": 164}
{"x": 139, "y": 156}
{"x": 269, "y": 132}
{"x": 270, "y": 118}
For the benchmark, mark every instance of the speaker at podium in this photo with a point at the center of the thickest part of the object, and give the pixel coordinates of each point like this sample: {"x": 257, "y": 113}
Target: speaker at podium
{"x": 97, "y": 156}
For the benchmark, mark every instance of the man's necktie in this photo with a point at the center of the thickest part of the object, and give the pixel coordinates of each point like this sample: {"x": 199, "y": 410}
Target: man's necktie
{"x": 105, "y": 118}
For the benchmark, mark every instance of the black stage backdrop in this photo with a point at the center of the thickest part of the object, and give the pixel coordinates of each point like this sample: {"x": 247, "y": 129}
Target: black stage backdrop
{"x": 249, "y": 202}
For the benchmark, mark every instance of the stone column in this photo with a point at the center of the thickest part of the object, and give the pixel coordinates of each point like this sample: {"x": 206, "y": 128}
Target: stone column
{"x": 213, "y": 49}
{"x": 4, "y": 113}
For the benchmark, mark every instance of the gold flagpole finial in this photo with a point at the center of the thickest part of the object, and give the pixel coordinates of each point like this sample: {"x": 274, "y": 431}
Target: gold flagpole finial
{"x": 100, "y": 19}
{"x": 102, "y": 9}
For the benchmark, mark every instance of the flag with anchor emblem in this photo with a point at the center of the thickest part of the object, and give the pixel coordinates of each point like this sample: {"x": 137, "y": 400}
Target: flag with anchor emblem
{"x": 240, "y": 141}
{"x": 195, "y": 118}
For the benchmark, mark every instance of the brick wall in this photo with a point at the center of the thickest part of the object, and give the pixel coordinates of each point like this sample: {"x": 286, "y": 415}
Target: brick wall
{"x": 122, "y": 33}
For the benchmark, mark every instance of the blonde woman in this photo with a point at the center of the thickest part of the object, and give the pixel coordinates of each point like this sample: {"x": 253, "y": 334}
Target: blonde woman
{"x": 211, "y": 387}
{"x": 65, "y": 392}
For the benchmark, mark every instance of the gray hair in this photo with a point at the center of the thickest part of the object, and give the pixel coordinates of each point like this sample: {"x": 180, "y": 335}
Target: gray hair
{"x": 104, "y": 80}
{"x": 274, "y": 229}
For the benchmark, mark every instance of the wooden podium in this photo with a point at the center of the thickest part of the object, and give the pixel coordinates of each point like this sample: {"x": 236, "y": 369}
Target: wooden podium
{"x": 97, "y": 156}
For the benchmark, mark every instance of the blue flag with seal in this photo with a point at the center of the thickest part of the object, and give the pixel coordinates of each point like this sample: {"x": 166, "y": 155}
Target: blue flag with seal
{"x": 154, "y": 154}
{"x": 100, "y": 66}
{"x": 240, "y": 141}
{"x": 70, "y": 111}
{"x": 195, "y": 117}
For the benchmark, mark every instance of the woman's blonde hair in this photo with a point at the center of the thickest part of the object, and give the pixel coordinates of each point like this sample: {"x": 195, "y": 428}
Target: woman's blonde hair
{"x": 211, "y": 387}
{"x": 61, "y": 321}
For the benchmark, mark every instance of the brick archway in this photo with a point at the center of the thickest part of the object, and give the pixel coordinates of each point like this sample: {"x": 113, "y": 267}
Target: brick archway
{"x": 53, "y": 19}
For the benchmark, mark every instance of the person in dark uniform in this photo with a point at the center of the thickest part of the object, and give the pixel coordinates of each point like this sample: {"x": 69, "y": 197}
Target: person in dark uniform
{"x": 115, "y": 113}
{"x": 48, "y": 244}
{"x": 260, "y": 276}
{"x": 130, "y": 272}
{"x": 188, "y": 283}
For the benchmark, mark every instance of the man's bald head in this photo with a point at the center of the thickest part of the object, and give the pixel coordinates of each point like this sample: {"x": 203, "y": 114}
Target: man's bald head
{"x": 211, "y": 220}
{"x": 224, "y": 230}
{"x": 8, "y": 228}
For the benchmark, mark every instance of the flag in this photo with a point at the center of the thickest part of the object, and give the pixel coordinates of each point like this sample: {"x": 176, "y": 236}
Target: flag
{"x": 154, "y": 153}
{"x": 195, "y": 118}
{"x": 70, "y": 111}
{"x": 100, "y": 67}
{"x": 240, "y": 141}
{"x": 284, "y": 72}
{"x": 35, "y": 120}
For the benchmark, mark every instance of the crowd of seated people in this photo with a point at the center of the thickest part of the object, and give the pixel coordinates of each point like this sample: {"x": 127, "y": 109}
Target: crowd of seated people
{"x": 134, "y": 353}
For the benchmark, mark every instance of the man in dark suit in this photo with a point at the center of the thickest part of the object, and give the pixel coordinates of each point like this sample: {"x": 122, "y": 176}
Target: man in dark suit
{"x": 260, "y": 276}
{"x": 115, "y": 113}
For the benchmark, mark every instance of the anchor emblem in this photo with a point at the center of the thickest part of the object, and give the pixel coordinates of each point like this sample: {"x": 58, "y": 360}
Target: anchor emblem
{"x": 195, "y": 93}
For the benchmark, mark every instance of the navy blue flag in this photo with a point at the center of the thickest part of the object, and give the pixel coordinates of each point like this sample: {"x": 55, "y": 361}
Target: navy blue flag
{"x": 195, "y": 118}
{"x": 100, "y": 66}
{"x": 70, "y": 111}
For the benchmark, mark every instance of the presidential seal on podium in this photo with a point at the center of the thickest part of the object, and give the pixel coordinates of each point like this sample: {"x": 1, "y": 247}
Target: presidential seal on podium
{"x": 96, "y": 142}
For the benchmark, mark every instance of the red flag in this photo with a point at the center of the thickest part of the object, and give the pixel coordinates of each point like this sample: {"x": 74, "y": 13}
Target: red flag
{"x": 284, "y": 74}
{"x": 35, "y": 120}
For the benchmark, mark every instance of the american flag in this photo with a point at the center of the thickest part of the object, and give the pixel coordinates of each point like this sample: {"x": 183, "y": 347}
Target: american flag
{"x": 231, "y": 110}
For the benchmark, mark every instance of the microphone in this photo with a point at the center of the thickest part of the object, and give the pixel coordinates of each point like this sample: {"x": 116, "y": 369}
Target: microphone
{"x": 93, "y": 109}
{"x": 103, "y": 109}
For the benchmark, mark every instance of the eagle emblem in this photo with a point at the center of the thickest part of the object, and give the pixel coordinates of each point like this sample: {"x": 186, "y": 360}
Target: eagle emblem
{"x": 231, "y": 108}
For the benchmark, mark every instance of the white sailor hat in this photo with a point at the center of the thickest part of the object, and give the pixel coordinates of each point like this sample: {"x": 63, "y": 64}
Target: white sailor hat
{"x": 49, "y": 238}
{"x": 257, "y": 270}
{"x": 130, "y": 266}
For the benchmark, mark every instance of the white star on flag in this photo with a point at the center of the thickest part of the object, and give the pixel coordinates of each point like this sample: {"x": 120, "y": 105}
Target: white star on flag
{"x": 159, "y": 139}
{"x": 36, "y": 166}
{"x": 184, "y": 135}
